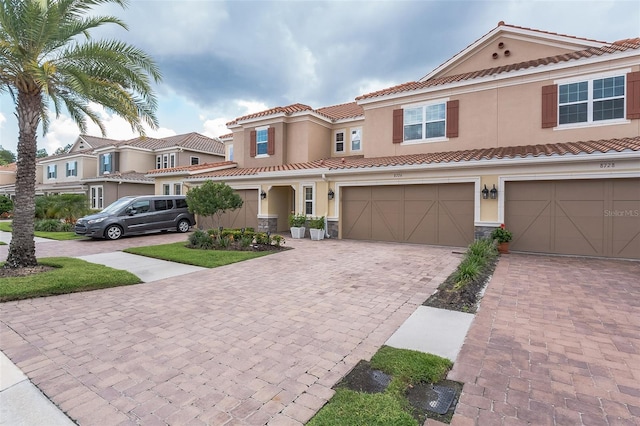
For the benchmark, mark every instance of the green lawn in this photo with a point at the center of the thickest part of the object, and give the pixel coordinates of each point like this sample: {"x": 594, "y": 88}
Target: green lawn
{"x": 351, "y": 408}
{"x": 70, "y": 276}
{"x": 60, "y": 236}
{"x": 177, "y": 252}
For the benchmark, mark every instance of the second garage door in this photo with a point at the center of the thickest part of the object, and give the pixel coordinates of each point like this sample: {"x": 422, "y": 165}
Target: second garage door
{"x": 428, "y": 214}
{"x": 594, "y": 217}
{"x": 244, "y": 217}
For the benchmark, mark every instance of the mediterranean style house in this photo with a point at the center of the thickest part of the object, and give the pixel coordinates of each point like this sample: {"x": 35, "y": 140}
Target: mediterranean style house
{"x": 107, "y": 169}
{"x": 535, "y": 130}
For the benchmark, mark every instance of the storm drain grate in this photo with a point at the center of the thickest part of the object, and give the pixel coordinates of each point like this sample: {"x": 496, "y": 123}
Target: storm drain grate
{"x": 439, "y": 399}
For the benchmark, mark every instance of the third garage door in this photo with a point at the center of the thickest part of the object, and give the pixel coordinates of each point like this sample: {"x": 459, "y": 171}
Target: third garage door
{"x": 439, "y": 214}
{"x": 594, "y": 217}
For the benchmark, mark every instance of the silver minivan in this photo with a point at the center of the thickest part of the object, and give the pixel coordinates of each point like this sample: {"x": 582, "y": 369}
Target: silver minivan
{"x": 138, "y": 215}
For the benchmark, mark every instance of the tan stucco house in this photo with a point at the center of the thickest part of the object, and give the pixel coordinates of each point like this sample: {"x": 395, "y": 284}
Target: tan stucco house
{"x": 536, "y": 130}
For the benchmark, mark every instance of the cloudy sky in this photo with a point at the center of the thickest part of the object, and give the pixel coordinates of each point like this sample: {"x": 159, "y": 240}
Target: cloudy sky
{"x": 223, "y": 59}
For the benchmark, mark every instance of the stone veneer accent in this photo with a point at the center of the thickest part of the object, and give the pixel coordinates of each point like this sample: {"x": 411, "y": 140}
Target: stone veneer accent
{"x": 269, "y": 224}
{"x": 483, "y": 231}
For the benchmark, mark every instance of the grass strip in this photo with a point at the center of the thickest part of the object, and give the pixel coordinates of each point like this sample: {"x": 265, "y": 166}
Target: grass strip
{"x": 69, "y": 276}
{"x": 178, "y": 252}
{"x": 391, "y": 407}
{"x": 59, "y": 236}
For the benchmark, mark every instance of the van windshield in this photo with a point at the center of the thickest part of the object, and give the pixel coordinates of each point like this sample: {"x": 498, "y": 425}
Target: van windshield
{"x": 116, "y": 205}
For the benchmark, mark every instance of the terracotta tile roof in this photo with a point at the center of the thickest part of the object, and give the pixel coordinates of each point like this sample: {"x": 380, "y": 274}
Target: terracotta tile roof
{"x": 356, "y": 162}
{"x": 226, "y": 136}
{"x": 193, "y": 141}
{"x": 342, "y": 111}
{"x": 192, "y": 169}
{"x": 130, "y": 176}
{"x": 619, "y": 46}
{"x": 286, "y": 110}
{"x": 12, "y": 167}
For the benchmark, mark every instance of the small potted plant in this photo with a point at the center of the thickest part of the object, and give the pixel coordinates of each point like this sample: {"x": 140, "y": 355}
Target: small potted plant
{"x": 502, "y": 236}
{"x": 296, "y": 225}
{"x": 317, "y": 228}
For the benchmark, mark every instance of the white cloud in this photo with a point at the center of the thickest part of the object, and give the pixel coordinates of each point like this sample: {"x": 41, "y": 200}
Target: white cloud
{"x": 215, "y": 127}
{"x": 2, "y": 120}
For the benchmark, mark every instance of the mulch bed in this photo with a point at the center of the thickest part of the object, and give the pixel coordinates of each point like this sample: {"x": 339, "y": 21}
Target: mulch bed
{"x": 23, "y": 272}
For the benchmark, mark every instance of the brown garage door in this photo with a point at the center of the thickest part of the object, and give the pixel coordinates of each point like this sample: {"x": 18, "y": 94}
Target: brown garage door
{"x": 426, "y": 214}
{"x": 583, "y": 217}
{"x": 244, "y": 217}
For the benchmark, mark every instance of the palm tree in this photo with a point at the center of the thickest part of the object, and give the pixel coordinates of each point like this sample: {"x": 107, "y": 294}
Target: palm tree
{"x": 47, "y": 56}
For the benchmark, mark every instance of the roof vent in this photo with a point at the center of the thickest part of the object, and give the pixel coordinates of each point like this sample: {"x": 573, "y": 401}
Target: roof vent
{"x": 495, "y": 55}
{"x": 501, "y": 45}
{"x": 507, "y": 52}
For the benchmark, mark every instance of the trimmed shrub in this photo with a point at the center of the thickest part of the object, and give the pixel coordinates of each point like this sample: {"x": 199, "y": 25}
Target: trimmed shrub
{"x": 201, "y": 240}
{"x": 48, "y": 225}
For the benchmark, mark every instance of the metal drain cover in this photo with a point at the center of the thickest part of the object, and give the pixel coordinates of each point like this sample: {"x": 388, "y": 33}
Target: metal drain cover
{"x": 439, "y": 399}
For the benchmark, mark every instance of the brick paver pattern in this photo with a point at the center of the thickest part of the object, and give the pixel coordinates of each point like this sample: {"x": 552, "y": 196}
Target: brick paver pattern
{"x": 253, "y": 343}
{"x": 556, "y": 342}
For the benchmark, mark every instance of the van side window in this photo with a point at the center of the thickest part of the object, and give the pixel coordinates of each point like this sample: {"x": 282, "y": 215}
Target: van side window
{"x": 141, "y": 206}
{"x": 163, "y": 204}
{"x": 181, "y": 204}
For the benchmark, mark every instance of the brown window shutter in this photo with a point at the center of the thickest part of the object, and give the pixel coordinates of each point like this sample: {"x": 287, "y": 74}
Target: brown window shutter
{"x": 549, "y": 106}
{"x": 398, "y": 125}
{"x": 271, "y": 140}
{"x": 453, "y": 108}
{"x": 633, "y": 95}
{"x": 116, "y": 161}
{"x": 252, "y": 143}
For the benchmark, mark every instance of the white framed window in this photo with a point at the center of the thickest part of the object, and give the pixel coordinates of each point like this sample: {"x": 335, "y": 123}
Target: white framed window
{"x": 356, "y": 139}
{"x": 166, "y": 189}
{"x": 262, "y": 139}
{"x": 177, "y": 189}
{"x": 338, "y": 141}
{"x": 158, "y": 161}
{"x": 106, "y": 165}
{"x": 308, "y": 199}
{"x": 592, "y": 100}
{"x": 52, "y": 171}
{"x": 195, "y": 161}
{"x": 230, "y": 153}
{"x": 96, "y": 195}
{"x": 72, "y": 168}
{"x": 172, "y": 160}
{"x": 425, "y": 122}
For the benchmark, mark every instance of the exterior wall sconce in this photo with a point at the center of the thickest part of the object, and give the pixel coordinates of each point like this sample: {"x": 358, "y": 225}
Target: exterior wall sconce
{"x": 331, "y": 194}
{"x": 485, "y": 193}
{"x": 493, "y": 194}
{"x": 263, "y": 195}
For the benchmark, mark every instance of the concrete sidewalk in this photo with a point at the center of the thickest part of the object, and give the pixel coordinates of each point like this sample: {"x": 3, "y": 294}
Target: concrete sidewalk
{"x": 5, "y": 237}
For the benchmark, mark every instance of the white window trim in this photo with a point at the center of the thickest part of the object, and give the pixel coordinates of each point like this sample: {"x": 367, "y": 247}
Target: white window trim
{"x": 165, "y": 187}
{"x": 158, "y": 161}
{"x": 49, "y": 172}
{"x": 334, "y": 142}
{"x": 173, "y": 188}
{"x": 68, "y": 169}
{"x": 191, "y": 160}
{"x": 302, "y": 199}
{"x": 266, "y": 143}
{"x": 351, "y": 139}
{"x": 589, "y": 78}
{"x": 423, "y": 105}
{"x": 95, "y": 201}
{"x": 172, "y": 160}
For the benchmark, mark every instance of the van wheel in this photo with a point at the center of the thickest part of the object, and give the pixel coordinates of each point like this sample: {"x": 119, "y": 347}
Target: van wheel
{"x": 183, "y": 225}
{"x": 113, "y": 232}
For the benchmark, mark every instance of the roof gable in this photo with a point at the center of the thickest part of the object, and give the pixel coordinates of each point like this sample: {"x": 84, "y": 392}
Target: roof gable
{"x": 508, "y": 44}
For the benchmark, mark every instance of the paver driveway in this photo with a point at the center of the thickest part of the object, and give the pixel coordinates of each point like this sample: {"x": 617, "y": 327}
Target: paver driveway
{"x": 556, "y": 342}
{"x": 255, "y": 342}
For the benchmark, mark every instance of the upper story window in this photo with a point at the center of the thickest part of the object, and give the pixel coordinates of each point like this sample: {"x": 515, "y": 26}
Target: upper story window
{"x": 106, "y": 163}
{"x": 424, "y": 122}
{"x": 356, "y": 139}
{"x": 165, "y": 161}
{"x": 72, "y": 168}
{"x": 230, "y": 153}
{"x": 195, "y": 161}
{"x": 338, "y": 140}
{"x": 52, "y": 171}
{"x": 261, "y": 141}
{"x": 591, "y": 100}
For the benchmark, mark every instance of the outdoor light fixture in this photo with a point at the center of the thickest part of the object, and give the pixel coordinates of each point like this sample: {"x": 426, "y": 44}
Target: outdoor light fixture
{"x": 263, "y": 195}
{"x": 485, "y": 193}
{"x": 331, "y": 194}
{"x": 493, "y": 194}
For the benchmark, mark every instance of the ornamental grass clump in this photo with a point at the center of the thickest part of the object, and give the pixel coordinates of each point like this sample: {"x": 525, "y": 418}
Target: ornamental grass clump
{"x": 478, "y": 256}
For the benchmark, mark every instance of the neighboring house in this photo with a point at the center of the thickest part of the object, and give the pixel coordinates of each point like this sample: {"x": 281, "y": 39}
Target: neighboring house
{"x": 107, "y": 169}
{"x": 537, "y": 130}
{"x": 7, "y": 179}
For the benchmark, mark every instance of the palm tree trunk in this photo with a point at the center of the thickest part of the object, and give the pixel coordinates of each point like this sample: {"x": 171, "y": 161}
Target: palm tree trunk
{"x": 22, "y": 250}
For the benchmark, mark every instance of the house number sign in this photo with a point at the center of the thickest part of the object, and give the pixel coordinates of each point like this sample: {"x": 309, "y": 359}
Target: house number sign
{"x": 607, "y": 165}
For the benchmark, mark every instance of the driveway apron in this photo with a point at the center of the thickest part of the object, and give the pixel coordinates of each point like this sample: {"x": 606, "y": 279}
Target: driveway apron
{"x": 257, "y": 342}
{"x": 556, "y": 342}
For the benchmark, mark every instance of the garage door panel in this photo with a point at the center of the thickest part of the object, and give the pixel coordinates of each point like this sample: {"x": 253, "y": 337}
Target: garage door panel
{"x": 426, "y": 214}
{"x": 247, "y": 215}
{"x": 357, "y": 222}
{"x": 582, "y": 217}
